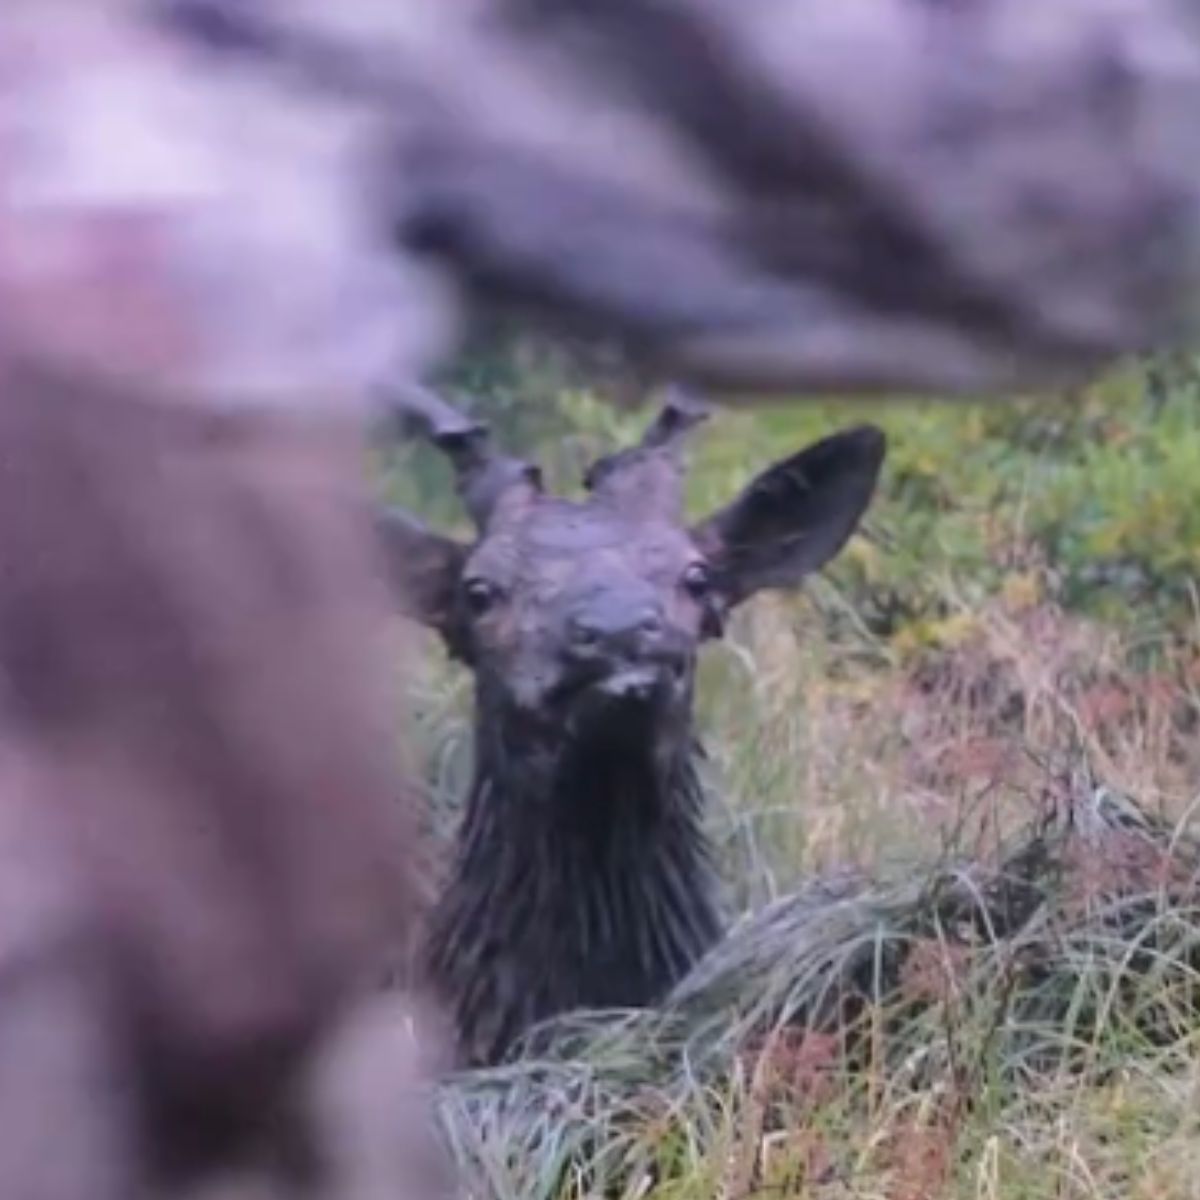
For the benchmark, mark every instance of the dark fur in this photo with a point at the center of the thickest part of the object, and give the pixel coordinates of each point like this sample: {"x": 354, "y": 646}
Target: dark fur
{"x": 579, "y": 881}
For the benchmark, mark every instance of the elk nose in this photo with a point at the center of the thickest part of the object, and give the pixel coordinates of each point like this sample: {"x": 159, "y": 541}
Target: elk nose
{"x": 601, "y": 627}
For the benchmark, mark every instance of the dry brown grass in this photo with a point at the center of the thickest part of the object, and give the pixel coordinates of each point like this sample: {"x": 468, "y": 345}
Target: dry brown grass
{"x": 855, "y": 750}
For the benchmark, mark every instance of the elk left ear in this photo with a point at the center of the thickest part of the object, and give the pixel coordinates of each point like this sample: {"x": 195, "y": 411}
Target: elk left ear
{"x": 795, "y": 516}
{"x": 423, "y": 567}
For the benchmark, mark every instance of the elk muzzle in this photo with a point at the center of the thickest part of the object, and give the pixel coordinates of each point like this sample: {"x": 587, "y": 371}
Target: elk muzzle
{"x": 619, "y": 647}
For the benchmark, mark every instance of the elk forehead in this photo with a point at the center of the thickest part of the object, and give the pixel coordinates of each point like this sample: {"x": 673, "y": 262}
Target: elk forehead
{"x": 559, "y": 542}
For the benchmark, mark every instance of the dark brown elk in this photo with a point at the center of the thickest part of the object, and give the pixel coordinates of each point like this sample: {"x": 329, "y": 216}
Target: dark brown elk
{"x": 582, "y": 873}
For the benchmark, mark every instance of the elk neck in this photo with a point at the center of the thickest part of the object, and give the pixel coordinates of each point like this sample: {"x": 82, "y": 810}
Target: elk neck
{"x": 582, "y": 870}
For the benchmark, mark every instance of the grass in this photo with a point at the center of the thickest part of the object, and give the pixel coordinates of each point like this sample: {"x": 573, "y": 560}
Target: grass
{"x": 954, "y": 783}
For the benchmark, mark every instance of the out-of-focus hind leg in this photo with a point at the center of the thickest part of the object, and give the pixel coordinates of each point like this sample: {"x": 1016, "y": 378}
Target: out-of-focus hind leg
{"x": 369, "y": 1107}
{"x": 364, "y": 1125}
{"x": 66, "y": 1115}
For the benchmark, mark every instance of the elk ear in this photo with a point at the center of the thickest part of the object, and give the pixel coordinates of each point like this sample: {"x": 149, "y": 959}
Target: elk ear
{"x": 423, "y": 567}
{"x": 795, "y": 516}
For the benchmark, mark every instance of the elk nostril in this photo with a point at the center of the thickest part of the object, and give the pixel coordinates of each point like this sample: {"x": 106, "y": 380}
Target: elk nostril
{"x": 651, "y": 624}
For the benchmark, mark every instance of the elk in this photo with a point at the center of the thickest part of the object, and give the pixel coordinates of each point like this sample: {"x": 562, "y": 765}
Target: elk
{"x": 582, "y": 876}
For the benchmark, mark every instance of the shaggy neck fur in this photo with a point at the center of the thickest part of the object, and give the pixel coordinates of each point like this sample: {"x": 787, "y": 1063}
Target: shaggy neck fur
{"x": 583, "y": 879}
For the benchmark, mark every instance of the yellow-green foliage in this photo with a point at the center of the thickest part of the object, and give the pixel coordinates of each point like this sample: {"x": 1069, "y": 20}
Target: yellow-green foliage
{"x": 1103, "y": 487}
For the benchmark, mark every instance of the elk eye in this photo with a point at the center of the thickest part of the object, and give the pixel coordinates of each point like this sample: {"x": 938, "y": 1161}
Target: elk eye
{"x": 697, "y": 581}
{"x": 480, "y": 595}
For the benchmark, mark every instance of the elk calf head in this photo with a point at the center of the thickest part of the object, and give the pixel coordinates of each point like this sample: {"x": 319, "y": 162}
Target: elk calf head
{"x": 581, "y": 616}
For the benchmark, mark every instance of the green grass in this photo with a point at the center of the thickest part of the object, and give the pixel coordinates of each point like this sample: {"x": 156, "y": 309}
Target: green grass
{"x": 1010, "y": 651}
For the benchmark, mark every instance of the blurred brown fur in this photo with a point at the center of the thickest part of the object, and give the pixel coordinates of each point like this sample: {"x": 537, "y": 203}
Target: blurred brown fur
{"x": 206, "y": 857}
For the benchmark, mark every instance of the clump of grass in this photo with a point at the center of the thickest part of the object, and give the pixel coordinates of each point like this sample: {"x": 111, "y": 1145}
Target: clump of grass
{"x": 858, "y": 1006}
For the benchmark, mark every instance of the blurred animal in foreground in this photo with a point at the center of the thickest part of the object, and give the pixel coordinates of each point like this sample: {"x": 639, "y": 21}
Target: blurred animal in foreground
{"x": 204, "y": 855}
{"x": 883, "y": 195}
{"x": 888, "y": 194}
{"x": 582, "y": 874}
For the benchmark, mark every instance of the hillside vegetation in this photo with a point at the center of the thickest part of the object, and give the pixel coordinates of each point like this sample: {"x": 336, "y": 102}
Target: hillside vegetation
{"x": 954, "y": 784}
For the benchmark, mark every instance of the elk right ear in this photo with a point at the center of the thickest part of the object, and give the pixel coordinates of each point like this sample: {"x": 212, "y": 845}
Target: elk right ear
{"x": 424, "y": 569}
{"x": 795, "y": 516}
